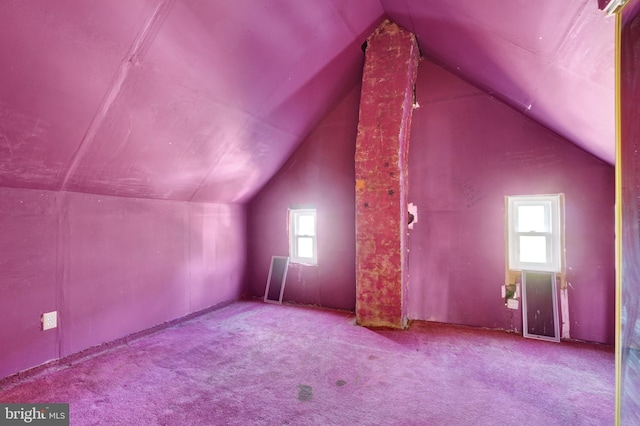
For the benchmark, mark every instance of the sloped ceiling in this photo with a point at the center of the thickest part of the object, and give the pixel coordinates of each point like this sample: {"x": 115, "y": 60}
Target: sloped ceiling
{"x": 551, "y": 60}
{"x": 205, "y": 100}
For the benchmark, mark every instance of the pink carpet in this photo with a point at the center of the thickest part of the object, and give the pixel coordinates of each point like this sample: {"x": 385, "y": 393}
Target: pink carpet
{"x": 259, "y": 364}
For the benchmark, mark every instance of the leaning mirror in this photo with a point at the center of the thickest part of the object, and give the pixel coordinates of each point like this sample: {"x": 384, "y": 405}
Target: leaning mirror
{"x": 276, "y": 279}
{"x": 540, "y": 306}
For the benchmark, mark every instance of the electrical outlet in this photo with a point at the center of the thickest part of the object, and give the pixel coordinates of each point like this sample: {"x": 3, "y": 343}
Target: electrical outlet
{"x": 49, "y": 320}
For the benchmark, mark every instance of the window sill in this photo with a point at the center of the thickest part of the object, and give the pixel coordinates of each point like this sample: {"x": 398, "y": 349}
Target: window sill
{"x": 299, "y": 263}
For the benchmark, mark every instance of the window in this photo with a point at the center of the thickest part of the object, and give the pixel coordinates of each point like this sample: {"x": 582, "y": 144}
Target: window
{"x": 535, "y": 233}
{"x": 302, "y": 236}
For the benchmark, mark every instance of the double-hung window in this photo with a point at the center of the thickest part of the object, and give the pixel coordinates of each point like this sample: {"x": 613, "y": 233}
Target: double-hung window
{"x": 302, "y": 236}
{"x": 534, "y": 233}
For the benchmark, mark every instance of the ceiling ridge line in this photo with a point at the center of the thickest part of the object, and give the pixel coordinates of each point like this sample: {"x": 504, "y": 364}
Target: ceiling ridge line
{"x": 267, "y": 124}
{"x": 344, "y": 21}
{"x": 131, "y": 59}
{"x": 570, "y": 28}
{"x": 206, "y": 177}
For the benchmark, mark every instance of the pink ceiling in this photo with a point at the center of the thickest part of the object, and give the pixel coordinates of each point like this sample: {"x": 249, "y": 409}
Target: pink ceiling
{"x": 205, "y": 100}
{"x": 552, "y": 60}
{"x": 184, "y": 100}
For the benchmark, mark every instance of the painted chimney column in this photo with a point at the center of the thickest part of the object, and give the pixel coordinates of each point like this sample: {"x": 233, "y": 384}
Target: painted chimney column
{"x": 386, "y": 108}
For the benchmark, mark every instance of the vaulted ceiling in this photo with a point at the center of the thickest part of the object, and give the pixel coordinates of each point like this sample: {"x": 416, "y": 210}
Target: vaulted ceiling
{"x": 204, "y": 100}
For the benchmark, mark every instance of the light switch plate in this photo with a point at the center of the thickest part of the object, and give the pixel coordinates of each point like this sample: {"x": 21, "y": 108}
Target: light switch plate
{"x": 49, "y": 320}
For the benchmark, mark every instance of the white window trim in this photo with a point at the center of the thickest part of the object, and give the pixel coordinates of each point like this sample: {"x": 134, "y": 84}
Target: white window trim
{"x": 293, "y": 237}
{"x": 551, "y": 204}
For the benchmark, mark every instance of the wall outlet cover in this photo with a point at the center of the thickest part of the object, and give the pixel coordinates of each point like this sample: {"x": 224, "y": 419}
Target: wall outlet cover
{"x": 49, "y": 320}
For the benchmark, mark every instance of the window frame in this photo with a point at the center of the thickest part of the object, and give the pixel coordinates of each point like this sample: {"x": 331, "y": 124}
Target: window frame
{"x": 294, "y": 215}
{"x": 553, "y": 237}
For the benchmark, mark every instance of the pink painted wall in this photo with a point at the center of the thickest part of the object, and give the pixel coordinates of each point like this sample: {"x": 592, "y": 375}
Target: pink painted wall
{"x": 321, "y": 172}
{"x": 467, "y": 152}
{"x": 110, "y": 266}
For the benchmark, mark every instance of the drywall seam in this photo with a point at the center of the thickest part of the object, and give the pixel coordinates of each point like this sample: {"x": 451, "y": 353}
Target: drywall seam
{"x": 60, "y": 262}
{"x": 62, "y": 271}
{"x": 131, "y": 59}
